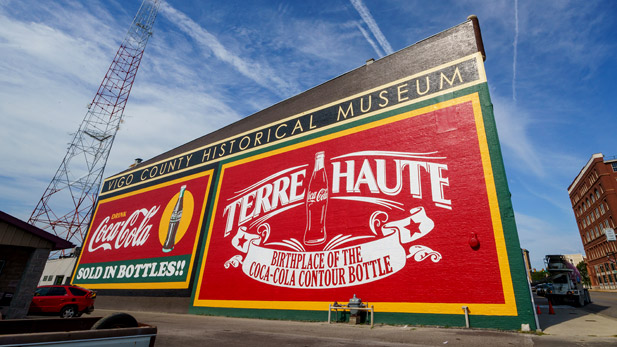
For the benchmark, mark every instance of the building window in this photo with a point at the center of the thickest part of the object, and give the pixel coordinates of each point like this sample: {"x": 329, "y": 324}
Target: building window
{"x": 614, "y": 165}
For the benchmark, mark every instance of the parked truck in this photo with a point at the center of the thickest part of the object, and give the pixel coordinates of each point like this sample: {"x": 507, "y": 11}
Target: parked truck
{"x": 118, "y": 330}
{"x": 566, "y": 282}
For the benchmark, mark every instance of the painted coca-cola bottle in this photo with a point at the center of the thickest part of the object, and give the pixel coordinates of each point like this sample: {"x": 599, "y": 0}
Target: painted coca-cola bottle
{"x": 317, "y": 204}
{"x": 174, "y": 222}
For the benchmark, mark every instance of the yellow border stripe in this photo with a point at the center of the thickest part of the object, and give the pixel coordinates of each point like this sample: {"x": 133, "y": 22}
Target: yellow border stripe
{"x": 508, "y": 308}
{"x": 153, "y": 285}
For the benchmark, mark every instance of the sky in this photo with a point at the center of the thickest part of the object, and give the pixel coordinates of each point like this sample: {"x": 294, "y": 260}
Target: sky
{"x": 551, "y": 68}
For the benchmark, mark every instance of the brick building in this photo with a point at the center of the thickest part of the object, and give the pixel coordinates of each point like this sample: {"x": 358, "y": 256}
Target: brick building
{"x": 593, "y": 194}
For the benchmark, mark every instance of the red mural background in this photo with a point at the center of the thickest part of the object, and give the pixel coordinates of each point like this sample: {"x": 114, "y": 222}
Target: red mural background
{"x": 151, "y": 209}
{"x": 442, "y": 174}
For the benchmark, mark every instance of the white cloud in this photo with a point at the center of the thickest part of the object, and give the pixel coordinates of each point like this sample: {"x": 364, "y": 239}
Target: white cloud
{"x": 169, "y": 118}
{"x": 261, "y": 74}
{"x": 44, "y": 81}
{"x": 513, "y": 126}
{"x": 515, "y": 48}
{"x": 541, "y": 238}
{"x": 50, "y": 70}
{"x": 368, "y": 38}
{"x": 372, "y": 25}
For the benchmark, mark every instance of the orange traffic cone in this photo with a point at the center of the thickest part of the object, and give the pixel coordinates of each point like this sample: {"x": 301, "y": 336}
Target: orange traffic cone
{"x": 550, "y": 307}
{"x": 538, "y": 309}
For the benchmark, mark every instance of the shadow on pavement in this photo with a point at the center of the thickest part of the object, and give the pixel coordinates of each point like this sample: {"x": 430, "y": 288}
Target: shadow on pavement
{"x": 563, "y": 313}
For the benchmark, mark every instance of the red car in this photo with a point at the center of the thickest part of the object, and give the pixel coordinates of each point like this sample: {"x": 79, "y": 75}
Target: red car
{"x": 69, "y": 301}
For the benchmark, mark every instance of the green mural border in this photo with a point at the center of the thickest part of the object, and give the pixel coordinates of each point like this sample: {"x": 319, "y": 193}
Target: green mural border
{"x": 522, "y": 294}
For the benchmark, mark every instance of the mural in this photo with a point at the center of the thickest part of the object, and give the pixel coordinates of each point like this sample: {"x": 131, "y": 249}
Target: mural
{"x": 146, "y": 238}
{"x": 385, "y": 210}
{"x": 394, "y": 193}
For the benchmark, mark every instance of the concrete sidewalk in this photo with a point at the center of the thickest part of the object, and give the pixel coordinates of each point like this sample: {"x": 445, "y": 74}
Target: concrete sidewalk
{"x": 571, "y": 322}
{"x": 193, "y": 330}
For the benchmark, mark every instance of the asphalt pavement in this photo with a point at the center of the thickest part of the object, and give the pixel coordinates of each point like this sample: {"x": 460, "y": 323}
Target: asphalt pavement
{"x": 604, "y": 302}
{"x": 569, "y": 326}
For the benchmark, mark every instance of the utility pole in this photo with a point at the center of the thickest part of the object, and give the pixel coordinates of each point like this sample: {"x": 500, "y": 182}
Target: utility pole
{"x": 66, "y": 206}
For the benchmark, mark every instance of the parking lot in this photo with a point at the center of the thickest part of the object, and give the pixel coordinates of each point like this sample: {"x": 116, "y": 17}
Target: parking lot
{"x": 569, "y": 326}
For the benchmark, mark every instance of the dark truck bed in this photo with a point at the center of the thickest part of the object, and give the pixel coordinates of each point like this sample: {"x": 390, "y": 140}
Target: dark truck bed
{"x": 72, "y": 332}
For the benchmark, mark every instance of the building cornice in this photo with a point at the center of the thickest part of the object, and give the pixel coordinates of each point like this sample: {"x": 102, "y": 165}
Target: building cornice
{"x": 583, "y": 171}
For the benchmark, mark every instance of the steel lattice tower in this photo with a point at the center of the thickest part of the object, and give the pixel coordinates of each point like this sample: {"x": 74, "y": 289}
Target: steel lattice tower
{"x": 66, "y": 206}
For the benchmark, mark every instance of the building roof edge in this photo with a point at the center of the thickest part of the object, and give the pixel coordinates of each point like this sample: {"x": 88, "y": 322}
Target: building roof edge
{"x": 58, "y": 243}
{"x": 583, "y": 170}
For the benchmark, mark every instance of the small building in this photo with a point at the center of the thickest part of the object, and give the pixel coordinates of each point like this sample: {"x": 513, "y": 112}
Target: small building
{"x": 24, "y": 249}
{"x": 58, "y": 271}
{"x": 593, "y": 194}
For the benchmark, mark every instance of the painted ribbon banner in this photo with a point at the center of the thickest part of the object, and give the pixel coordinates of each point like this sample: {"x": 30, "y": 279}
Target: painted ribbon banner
{"x": 146, "y": 237}
{"x": 334, "y": 268}
{"x": 360, "y": 211}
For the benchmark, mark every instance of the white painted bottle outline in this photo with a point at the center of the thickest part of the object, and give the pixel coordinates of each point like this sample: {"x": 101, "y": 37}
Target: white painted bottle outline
{"x": 317, "y": 203}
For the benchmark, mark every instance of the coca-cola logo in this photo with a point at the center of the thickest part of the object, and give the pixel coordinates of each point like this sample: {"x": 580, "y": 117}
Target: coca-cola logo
{"x": 318, "y": 196}
{"x": 123, "y": 234}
